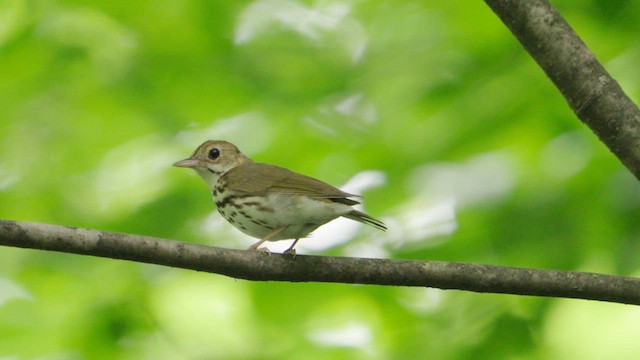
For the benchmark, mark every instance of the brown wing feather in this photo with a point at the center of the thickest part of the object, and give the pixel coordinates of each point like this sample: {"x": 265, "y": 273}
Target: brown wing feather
{"x": 259, "y": 179}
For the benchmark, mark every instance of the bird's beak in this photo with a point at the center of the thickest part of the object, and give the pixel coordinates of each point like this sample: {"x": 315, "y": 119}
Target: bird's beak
{"x": 187, "y": 163}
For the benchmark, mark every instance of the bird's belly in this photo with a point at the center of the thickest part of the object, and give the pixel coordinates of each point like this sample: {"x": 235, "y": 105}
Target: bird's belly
{"x": 296, "y": 215}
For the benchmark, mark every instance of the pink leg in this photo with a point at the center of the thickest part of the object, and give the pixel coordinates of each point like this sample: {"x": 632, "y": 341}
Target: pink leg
{"x": 275, "y": 232}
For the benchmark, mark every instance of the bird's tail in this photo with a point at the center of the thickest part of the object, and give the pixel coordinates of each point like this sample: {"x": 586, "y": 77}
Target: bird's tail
{"x": 366, "y": 219}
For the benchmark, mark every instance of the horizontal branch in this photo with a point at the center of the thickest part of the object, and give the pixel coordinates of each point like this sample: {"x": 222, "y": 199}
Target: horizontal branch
{"x": 251, "y": 265}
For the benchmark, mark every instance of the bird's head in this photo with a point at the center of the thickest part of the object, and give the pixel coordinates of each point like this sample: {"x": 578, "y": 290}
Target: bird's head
{"x": 212, "y": 159}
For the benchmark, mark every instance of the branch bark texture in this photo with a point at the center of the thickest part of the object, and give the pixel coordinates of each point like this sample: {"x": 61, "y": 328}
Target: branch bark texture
{"x": 275, "y": 267}
{"x": 594, "y": 96}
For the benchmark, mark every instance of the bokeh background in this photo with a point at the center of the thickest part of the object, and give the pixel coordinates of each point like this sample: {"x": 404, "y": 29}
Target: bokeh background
{"x": 431, "y": 109}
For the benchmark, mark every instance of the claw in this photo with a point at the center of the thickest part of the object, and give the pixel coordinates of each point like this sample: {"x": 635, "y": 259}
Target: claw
{"x": 264, "y": 249}
{"x": 290, "y": 251}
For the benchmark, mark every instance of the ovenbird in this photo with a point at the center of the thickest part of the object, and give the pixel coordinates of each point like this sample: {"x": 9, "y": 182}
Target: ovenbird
{"x": 266, "y": 201}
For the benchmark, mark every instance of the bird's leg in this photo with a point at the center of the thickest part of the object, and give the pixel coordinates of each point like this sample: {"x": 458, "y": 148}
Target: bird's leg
{"x": 291, "y": 249}
{"x": 275, "y": 232}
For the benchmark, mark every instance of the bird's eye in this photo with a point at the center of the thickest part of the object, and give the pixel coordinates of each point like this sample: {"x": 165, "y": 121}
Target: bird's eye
{"x": 214, "y": 153}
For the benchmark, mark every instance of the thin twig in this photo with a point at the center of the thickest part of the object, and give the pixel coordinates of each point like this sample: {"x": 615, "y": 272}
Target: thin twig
{"x": 275, "y": 267}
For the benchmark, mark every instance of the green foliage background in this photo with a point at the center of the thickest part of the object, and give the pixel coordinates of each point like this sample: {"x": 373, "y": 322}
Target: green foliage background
{"x": 464, "y": 147}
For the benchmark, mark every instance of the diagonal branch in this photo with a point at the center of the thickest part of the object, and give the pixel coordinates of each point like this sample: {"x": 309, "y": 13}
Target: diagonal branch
{"x": 591, "y": 92}
{"x": 260, "y": 266}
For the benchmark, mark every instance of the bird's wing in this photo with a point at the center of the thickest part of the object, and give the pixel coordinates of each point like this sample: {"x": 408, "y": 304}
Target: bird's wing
{"x": 261, "y": 179}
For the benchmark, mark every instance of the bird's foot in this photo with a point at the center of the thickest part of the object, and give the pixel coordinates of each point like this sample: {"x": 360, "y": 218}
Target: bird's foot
{"x": 290, "y": 252}
{"x": 264, "y": 250}
{"x": 256, "y": 247}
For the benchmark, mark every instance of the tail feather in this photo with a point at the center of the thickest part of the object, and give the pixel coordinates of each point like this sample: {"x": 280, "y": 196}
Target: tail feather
{"x": 366, "y": 219}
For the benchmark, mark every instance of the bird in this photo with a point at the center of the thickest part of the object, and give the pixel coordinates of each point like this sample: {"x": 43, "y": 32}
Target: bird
{"x": 266, "y": 201}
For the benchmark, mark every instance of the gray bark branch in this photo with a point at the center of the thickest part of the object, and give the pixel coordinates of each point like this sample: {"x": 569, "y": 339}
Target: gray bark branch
{"x": 275, "y": 267}
{"x": 593, "y": 95}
